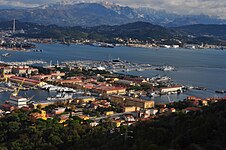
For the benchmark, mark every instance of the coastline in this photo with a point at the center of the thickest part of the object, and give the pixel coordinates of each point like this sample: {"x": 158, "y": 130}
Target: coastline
{"x": 180, "y": 58}
{"x": 15, "y": 49}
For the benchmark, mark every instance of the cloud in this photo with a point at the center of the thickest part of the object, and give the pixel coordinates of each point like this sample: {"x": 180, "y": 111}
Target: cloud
{"x": 14, "y": 3}
{"x": 209, "y": 7}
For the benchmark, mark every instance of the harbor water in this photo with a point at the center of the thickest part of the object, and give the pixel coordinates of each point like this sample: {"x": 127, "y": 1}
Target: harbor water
{"x": 199, "y": 67}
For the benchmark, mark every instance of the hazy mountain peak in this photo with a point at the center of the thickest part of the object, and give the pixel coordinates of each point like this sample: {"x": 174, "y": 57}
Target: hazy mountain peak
{"x": 72, "y": 13}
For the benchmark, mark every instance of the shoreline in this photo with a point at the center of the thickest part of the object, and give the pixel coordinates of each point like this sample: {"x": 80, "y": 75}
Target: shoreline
{"x": 144, "y": 46}
{"x": 15, "y": 50}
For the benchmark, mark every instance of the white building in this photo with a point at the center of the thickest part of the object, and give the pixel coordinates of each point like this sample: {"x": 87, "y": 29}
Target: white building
{"x": 18, "y": 101}
{"x": 176, "y": 46}
{"x": 173, "y": 89}
{"x": 129, "y": 118}
{"x": 153, "y": 111}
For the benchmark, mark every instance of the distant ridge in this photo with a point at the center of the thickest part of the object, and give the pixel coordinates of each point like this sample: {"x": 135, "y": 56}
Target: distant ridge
{"x": 143, "y": 31}
{"x": 95, "y": 14}
{"x": 212, "y": 30}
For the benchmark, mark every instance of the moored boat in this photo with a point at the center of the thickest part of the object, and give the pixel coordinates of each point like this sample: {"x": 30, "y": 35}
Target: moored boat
{"x": 61, "y": 96}
{"x": 220, "y": 91}
{"x": 6, "y": 54}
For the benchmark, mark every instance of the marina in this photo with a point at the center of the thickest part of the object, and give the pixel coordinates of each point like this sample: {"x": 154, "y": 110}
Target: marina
{"x": 114, "y": 65}
{"x": 50, "y": 88}
{"x": 166, "y": 68}
{"x": 114, "y": 75}
{"x": 19, "y": 63}
{"x": 192, "y": 68}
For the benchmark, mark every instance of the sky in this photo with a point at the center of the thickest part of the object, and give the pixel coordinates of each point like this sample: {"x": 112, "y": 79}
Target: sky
{"x": 209, "y": 7}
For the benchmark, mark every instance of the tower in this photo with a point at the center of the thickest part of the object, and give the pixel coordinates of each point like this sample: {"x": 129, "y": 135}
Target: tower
{"x": 50, "y": 64}
{"x": 57, "y": 64}
{"x": 14, "y": 25}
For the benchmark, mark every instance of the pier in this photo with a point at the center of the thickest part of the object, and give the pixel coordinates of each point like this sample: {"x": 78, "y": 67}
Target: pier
{"x": 23, "y": 63}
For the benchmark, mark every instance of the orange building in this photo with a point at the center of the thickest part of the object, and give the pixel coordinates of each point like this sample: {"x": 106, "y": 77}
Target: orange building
{"x": 71, "y": 81}
{"x": 117, "y": 99}
{"x": 139, "y": 103}
{"x": 131, "y": 108}
{"x": 26, "y": 81}
{"x": 41, "y": 77}
{"x": 110, "y": 90}
{"x": 36, "y": 115}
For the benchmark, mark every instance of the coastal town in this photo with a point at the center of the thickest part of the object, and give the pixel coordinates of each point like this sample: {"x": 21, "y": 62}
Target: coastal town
{"x": 26, "y": 44}
{"x": 92, "y": 94}
{"x": 13, "y": 39}
{"x": 112, "y": 75}
{"x": 93, "y": 91}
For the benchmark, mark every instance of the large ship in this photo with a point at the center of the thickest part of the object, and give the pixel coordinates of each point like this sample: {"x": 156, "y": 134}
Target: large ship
{"x": 61, "y": 96}
{"x": 160, "y": 78}
{"x": 100, "y": 44}
{"x": 166, "y": 68}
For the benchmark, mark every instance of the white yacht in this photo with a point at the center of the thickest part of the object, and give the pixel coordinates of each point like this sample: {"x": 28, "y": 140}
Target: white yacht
{"x": 167, "y": 68}
{"x": 61, "y": 96}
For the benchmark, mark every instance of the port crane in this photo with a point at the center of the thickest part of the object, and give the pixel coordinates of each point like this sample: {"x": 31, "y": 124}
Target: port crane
{"x": 6, "y": 80}
{"x": 16, "y": 91}
{"x": 4, "y": 76}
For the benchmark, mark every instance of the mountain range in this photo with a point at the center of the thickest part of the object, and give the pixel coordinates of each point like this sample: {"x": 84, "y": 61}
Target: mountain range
{"x": 96, "y": 14}
{"x": 143, "y": 31}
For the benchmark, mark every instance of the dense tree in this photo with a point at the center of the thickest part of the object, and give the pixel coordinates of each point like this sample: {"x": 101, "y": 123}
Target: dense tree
{"x": 195, "y": 130}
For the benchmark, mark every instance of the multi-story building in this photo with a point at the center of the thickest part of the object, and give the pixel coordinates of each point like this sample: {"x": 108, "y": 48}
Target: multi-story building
{"x": 128, "y": 101}
{"x": 18, "y": 101}
{"x": 117, "y": 99}
{"x": 26, "y": 81}
{"x": 130, "y": 108}
{"x": 110, "y": 90}
{"x": 20, "y": 70}
{"x": 139, "y": 103}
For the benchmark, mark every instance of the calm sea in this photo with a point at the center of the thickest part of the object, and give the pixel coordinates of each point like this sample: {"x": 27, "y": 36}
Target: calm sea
{"x": 201, "y": 67}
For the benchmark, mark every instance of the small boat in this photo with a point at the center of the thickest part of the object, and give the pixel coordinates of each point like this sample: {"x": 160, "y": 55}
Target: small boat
{"x": 220, "y": 91}
{"x": 200, "y": 88}
{"x": 6, "y": 55}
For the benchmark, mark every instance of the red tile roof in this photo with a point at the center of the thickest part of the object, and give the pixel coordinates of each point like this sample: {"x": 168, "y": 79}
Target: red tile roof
{"x": 24, "y": 79}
